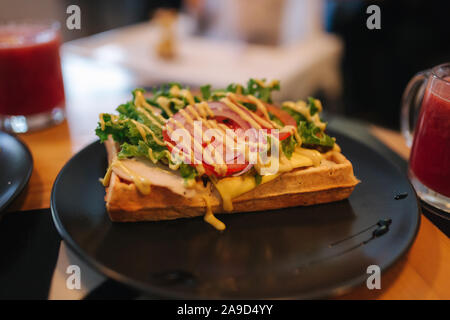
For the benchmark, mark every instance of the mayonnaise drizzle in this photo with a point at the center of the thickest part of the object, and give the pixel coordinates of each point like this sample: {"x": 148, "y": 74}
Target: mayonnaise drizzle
{"x": 142, "y": 128}
{"x": 210, "y": 218}
{"x": 142, "y": 184}
{"x": 302, "y": 108}
{"x": 241, "y": 112}
{"x": 139, "y": 101}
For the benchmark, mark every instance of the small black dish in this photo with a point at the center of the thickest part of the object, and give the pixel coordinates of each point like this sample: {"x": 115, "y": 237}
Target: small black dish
{"x": 16, "y": 165}
{"x": 303, "y": 252}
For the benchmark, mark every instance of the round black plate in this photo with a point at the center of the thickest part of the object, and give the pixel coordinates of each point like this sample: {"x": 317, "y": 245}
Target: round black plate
{"x": 16, "y": 165}
{"x": 303, "y": 252}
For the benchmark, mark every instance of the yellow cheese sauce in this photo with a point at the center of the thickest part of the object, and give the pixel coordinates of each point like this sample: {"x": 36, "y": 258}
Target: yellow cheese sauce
{"x": 260, "y": 106}
{"x": 211, "y": 157}
{"x": 140, "y": 101}
{"x": 102, "y": 121}
{"x": 262, "y": 83}
{"x": 210, "y": 218}
{"x": 296, "y": 161}
{"x": 300, "y": 158}
{"x": 232, "y": 187}
{"x": 165, "y": 102}
{"x": 314, "y": 155}
{"x": 241, "y": 113}
{"x": 143, "y": 129}
{"x": 177, "y": 92}
{"x": 149, "y": 117}
{"x": 142, "y": 184}
{"x": 107, "y": 178}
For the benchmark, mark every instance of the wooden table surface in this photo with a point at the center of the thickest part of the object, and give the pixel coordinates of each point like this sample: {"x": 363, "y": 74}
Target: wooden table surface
{"x": 423, "y": 273}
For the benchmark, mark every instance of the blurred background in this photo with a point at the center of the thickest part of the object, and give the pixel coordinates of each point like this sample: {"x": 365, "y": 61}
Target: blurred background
{"x": 317, "y": 47}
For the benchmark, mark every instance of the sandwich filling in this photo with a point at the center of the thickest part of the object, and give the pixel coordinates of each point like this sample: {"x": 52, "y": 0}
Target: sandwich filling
{"x": 229, "y": 140}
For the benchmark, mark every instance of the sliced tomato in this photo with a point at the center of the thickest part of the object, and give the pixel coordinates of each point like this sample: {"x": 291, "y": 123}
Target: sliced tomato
{"x": 232, "y": 168}
{"x": 223, "y": 115}
{"x": 284, "y": 117}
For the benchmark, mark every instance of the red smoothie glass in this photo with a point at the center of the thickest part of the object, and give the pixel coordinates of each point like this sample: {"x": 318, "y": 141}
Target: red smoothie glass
{"x": 31, "y": 83}
{"x": 428, "y": 95}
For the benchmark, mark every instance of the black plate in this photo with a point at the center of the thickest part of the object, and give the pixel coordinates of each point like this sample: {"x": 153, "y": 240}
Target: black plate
{"x": 303, "y": 252}
{"x": 16, "y": 165}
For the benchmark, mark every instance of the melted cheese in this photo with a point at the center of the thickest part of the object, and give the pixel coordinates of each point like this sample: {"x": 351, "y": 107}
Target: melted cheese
{"x": 296, "y": 161}
{"x": 314, "y": 155}
{"x": 300, "y": 158}
{"x": 232, "y": 187}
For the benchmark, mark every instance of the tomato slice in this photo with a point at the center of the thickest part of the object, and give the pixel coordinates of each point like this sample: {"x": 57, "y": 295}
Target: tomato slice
{"x": 232, "y": 168}
{"x": 233, "y": 121}
{"x": 284, "y": 117}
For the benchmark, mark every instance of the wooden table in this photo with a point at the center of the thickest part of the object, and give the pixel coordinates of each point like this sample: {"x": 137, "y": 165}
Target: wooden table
{"x": 423, "y": 273}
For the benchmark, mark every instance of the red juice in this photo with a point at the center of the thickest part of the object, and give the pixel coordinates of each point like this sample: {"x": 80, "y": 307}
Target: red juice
{"x": 430, "y": 153}
{"x": 30, "y": 69}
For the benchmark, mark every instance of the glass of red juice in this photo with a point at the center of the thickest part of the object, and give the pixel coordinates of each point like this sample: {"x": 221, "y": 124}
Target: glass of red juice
{"x": 31, "y": 83}
{"x": 428, "y": 95}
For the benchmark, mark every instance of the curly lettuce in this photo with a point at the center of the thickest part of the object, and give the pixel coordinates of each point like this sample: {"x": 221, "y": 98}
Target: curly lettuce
{"x": 312, "y": 136}
{"x": 124, "y": 131}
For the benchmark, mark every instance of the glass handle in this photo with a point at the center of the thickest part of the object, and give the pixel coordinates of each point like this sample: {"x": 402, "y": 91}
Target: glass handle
{"x": 411, "y": 103}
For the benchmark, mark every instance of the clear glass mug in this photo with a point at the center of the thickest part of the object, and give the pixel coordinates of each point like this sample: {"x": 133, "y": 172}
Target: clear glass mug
{"x": 428, "y": 95}
{"x": 31, "y": 83}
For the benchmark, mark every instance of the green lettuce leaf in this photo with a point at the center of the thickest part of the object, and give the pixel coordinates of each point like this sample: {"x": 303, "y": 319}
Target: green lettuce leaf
{"x": 297, "y": 116}
{"x": 288, "y": 146}
{"x": 188, "y": 172}
{"x": 312, "y": 136}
